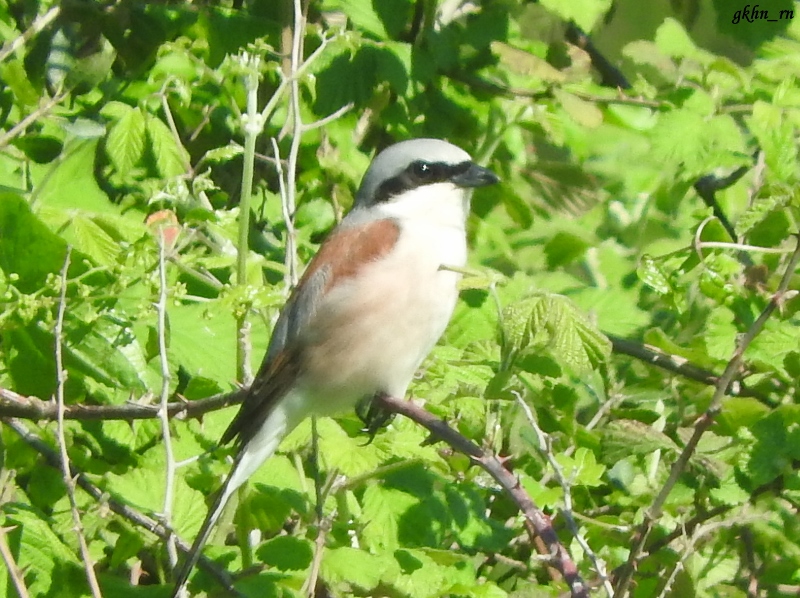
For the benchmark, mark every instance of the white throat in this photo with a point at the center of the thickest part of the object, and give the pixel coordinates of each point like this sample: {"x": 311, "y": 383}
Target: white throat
{"x": 438, "y": 205}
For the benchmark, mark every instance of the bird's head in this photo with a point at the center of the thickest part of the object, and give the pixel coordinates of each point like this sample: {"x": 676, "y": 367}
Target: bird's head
{"x": 415, "y": 175}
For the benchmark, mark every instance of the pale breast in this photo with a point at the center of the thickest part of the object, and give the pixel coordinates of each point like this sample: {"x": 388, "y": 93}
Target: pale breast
{"x": 371, "y": 333}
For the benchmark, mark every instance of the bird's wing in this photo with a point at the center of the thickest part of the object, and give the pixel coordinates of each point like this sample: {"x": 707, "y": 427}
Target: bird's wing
{"x": 341, "y": 256}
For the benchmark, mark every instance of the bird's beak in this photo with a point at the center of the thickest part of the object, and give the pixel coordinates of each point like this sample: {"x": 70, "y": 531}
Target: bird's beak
{"x": 475, "y": 176}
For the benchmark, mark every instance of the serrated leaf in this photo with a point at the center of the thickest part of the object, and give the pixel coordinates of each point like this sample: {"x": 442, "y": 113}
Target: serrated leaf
{"x": 348, "y": 455}
{"x": 41, "y": 554}
{"x": 524, "y": 63}
{"x": 92, "y": 240}
{"x": 763, "y": 207}
{"x": 720, "y": 334}
{"x": 352, "y": 566}
{"x": 223, "y": 154}
{"x": 651, "y": 274}
{"x": 170, "y": 156}
{"x": 382, "y": 509}
{"x": 776, "y": 137}
{"x": 625, "y": 437}
{"x": 586, "y": 114}
{"x": 554, "y": 323}
{"x": 126, "y": 140}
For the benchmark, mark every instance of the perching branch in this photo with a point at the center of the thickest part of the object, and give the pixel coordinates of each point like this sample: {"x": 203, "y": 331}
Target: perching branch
{"x": 703, "y": 423}
{"x": 537, "y": 523}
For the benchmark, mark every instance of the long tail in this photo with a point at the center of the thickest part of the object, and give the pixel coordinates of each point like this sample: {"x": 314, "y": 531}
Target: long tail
{"x": 250, "y": 457}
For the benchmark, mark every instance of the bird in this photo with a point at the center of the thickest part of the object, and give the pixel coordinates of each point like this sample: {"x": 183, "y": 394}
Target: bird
{"x": 368, "y": 309}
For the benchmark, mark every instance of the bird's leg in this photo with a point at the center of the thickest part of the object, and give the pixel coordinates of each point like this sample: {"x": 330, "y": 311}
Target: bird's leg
{"x": 374, "y": 416}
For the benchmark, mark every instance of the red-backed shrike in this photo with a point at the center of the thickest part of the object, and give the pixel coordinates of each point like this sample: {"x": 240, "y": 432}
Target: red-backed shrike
{"x": 367, "y": 311}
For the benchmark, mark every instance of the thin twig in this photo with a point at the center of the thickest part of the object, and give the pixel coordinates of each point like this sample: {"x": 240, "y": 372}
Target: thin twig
{"x": 163, "y": 414}
{"x": 34, "y": 409}
{"x": 545, "y": 448}
{"x": 11, "y": 565}
{"x": 703, "y": 423}
{"x": 116, "y": 506}
{"x": 679, "y": 365}
{"x": 537, "y": 523}
{"x": 272, "y": 104}
{"x": 38, "y": 25}
{"x": 742, "y": 247}
{"x": 61, "y": 376}
{"x": 31, "y": 118}
{"x": 298, "y": 32}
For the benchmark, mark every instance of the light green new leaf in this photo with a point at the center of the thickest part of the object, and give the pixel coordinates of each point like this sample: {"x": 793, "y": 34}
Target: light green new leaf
{"x": 94, "y": 241}
{"x": 223, "y": 154}
{"x": 776, "y": 137}
{"x": 585, "y": 13}
{"x": 383, "y": 508}
{"x": 352, "y": 566}
{"x": 171, "y": 157}
{"x": 554, "y": 323}
{"x": 582, "y": 469}
{"x": 28, "y": 249}
{"x": 651, "y": 274}
{"x": 49, "y": 566}
{"x": 126, "y": 140}
{"x": 625, "y": 437}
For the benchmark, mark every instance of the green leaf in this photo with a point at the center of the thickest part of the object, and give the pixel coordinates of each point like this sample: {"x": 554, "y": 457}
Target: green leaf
{"x": 13, "y": 74}
{"x": 73, "y": 185}
{"x": 171, "y": 157}
{"x": 672, "y": 39}
{"x": 776, "y": 137}
{"x": 553, "y": 322}
{"x": 651, "y": 274}
{"x": 28, "y": 250}
{"x": 564, "y": 248}
{"x": 48, "y": 565}
{"x": 623, "y": 438}
{"x": 383, "y": 508}
{"x": 586, "y": 114}
{"x": 352, "y": 566}
{"x": 93, "y": 240}
{"x": 582, "y": 469}
{"x": 126, "y": 140}
{"x": 526, "y": 64}
{"x": 287, "y": 553}
{"x": 39, "y": 148}
{"x": 225, "y": 153}
{"x": 585, "y": 13}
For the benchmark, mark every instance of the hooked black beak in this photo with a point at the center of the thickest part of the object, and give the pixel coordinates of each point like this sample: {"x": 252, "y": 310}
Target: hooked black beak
{"x": 475, "y": 176}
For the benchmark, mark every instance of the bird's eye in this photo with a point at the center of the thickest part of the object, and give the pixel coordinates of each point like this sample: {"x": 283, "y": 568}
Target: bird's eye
{"x": 422, "y": 171}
